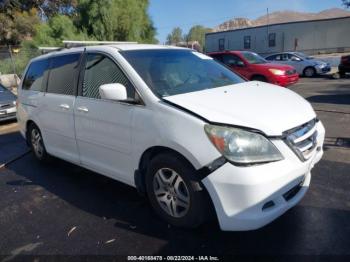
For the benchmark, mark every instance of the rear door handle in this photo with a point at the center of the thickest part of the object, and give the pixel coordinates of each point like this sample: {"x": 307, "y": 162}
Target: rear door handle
{"x": 64, "y": 106}
{"x": 83, "y": 109}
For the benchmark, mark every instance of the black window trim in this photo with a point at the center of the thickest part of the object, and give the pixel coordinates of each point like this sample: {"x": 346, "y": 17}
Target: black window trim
{"x": 244, "y": 42}
{"x": 81, "y": 79}
{"x": 274, "y": 39}
{"x": 223, "y": 44}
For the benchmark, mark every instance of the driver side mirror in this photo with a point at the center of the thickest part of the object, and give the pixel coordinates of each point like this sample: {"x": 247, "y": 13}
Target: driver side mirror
{"x": 114, "y": 91}
{"x": 296, "y": 59}
{"x": 240, "y": 64}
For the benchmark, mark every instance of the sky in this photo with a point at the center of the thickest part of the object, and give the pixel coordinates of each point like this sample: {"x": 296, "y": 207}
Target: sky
{"x": 167, "y": 14}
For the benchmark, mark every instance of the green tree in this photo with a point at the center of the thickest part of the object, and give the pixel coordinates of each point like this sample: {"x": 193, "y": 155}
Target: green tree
{"x": 197, "y": 33}
{"x": 18, "y": 26}
{"x": 175, "y": 36}
{"x": 346, "y": 3}
{"x": 116, "y": 20}
{"x": 57, "y": 29}
{"x": 45, "y": 8}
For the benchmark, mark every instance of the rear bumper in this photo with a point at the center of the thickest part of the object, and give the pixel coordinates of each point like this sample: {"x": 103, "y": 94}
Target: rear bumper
{"x": 286, "y": 80}
{"x": 247, "y": 198}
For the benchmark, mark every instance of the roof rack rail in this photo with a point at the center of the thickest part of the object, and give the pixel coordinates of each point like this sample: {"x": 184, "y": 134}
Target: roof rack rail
{"x": 73, "y": 43}
{"x": 48, "y": 49}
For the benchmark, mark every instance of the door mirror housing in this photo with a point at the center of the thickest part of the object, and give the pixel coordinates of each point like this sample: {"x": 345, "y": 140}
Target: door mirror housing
{"x": 296, "y": 59}
{"x": 114, "y": 91}
{"x": 240, "y": 64}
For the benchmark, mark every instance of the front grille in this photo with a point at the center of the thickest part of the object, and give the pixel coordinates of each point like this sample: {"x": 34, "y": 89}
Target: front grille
{"x": 291, "y": 72}
{"x": 303, "y": 139}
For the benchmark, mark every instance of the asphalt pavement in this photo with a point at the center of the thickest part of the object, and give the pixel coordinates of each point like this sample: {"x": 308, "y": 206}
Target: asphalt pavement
{"x": 61, "y": 209}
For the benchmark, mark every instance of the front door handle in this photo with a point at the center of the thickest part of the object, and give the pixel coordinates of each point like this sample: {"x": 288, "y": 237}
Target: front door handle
{"x": 64, "y": 106}
{"x": 83, "y": 109}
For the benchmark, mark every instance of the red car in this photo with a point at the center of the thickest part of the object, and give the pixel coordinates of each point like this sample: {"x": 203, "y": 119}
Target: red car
{"x": 253, "y": 67}
{"x": 344, "y": 66}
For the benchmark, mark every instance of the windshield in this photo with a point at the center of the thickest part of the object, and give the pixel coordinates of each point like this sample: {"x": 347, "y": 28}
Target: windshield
{"x": 2, "y": 88}
{"x": 170, "y": 72}
{"x": 253, "y": 58}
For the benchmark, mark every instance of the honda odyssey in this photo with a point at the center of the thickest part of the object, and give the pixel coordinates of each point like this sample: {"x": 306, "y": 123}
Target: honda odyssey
{"x": 180, "y": 127}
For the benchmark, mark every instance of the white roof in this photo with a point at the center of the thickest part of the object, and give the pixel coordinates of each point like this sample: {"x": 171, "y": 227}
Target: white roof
{"x": 120, "y": 47}
{"x": 144, "y": 46}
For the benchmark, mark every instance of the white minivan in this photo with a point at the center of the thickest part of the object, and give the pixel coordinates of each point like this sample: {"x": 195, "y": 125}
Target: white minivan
{"x": 177, "y": 125}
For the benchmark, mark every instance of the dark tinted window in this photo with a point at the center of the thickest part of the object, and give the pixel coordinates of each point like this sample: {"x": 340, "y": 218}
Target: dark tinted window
{"x": 217, "y": 57}
{"x": 232, "y": 60}
{"x": 247, "y": 41}
{"x": 272, "y": 39}
{"x": 100, "y": 70}
{"x": 35, "y": 75}
{"x": 63, "y": 74}
{"x": 271, "y": 58}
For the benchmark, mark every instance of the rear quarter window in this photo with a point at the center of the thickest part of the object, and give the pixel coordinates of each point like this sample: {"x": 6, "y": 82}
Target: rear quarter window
{"x": 33, "y": 79}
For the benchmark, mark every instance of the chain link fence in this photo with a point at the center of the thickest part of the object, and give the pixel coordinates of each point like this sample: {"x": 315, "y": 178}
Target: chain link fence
{"x": 13, "y": 59}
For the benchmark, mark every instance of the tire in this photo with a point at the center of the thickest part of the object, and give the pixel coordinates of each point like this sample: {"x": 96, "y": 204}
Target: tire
{"x": 37, "y": 143}
{"x": 342, "y": 74}
{"x": 309, "y": 72}
{"x": 173, "y": 191}
{"x": 259, "y": 78}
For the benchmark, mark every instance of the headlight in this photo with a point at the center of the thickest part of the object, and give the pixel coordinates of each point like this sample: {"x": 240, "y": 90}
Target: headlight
{"x": 14, "y": 102}
{"x": 242, "y": 147}
{"x": 277, "y": 72}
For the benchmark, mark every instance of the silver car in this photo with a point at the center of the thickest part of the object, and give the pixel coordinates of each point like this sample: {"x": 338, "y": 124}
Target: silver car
{"x": 305, "y": 65}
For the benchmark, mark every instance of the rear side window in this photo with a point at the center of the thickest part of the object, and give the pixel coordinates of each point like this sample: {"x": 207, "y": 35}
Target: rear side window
{"x": 63, "y": 74}
{"x": 35, "y": 75}
{"x": 100, "y": 70}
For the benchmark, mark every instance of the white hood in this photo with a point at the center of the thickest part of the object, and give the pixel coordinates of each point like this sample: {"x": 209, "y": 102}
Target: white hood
{"x": 269, "y": 108}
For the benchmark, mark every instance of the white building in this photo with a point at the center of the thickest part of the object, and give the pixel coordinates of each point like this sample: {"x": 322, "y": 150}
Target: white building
{"x": 312, "y": 37}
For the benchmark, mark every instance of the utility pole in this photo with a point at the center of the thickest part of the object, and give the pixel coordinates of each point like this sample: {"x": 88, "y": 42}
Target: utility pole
{"x": 267, "y": 27}
{"x": 12, "y": 61}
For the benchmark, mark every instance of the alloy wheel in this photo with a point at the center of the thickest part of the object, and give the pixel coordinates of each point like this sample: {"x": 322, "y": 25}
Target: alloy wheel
{"x": 37, "y": 143}
{"x": 171, "y": 192}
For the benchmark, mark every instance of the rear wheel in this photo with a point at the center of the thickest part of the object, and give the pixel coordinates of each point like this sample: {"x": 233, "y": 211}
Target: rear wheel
{"x": 37, "y": 143}
{"x": 309, "y": 72}
{"x": 174, "y": 192}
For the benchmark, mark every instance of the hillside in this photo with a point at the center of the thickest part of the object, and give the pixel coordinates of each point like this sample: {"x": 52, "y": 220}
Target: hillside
{"x": 280, "y": 17}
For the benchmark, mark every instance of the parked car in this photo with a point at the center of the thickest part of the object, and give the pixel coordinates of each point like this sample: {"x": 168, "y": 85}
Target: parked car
{"x": 177, "y": 125}
{"x": 253, "y": 67}
{"x": 7, "y": 104}
{"x": 344, "y": 66}
{"x": 305, "y": 65}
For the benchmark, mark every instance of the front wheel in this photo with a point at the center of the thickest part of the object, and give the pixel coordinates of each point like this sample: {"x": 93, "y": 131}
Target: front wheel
{"x": 173, "y": 191}
{"x": 37, "y": 143}
{"x": 309, "y": 72}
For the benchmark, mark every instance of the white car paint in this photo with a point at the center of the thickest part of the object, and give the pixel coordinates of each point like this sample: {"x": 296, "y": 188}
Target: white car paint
{"x": 110, "y": 137}
{"x": 239, "y": 105}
